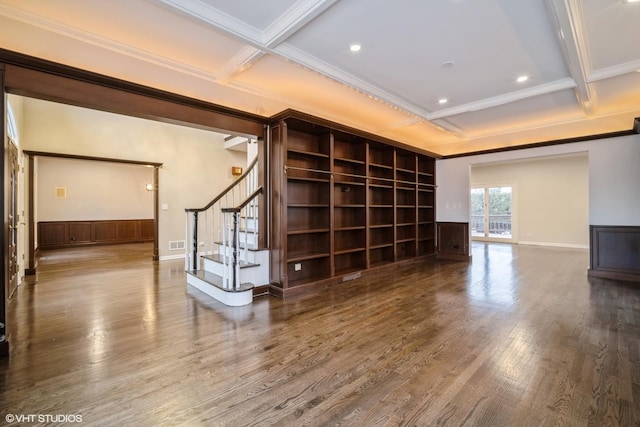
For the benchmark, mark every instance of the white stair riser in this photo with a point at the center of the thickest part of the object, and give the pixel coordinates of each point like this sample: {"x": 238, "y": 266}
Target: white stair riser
{"x": 227, "y": 250}
{"x": 258, "y": 274}
{"x": 251, "y": 238}
{"x": 234, "y": 299}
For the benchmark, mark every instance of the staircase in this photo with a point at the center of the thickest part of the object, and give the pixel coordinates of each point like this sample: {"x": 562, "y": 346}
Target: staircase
{"x": 223, "y": 258}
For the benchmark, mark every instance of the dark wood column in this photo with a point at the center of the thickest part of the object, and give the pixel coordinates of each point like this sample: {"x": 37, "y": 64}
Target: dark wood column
{"x": 4, "y": 183}
{"x": 31, "y": 260}
{"x": 156, "y": 198}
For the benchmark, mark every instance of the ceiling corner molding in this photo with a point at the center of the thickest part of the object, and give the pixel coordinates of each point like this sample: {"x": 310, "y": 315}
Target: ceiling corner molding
{"x": 530, "y": 127}
{"x": 301, "y": 13}
{"x": 66, "y": 30}
{"x": 365, "y": 88}
{"x": 496, "y": 101}
{"x": 240, "y": 62}
{"x": 203, "y": 12}
{"x": 614, "y": 71}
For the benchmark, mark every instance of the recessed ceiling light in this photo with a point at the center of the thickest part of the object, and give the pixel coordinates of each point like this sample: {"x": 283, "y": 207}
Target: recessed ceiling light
{"x": 443, "y": 101}
{"x": 522, "y": 79}
{"x": 355, "y": 47}
{"x": 448, "y": 64}
{"x": 630, "y": 1}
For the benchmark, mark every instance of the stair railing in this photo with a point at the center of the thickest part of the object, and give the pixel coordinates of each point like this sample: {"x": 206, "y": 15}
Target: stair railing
{"x": 206, "y": 228}
{"x": 238, "y": 218}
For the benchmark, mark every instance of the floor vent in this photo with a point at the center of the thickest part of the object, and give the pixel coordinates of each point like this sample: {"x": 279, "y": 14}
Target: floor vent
{"x": 176, "y": 245}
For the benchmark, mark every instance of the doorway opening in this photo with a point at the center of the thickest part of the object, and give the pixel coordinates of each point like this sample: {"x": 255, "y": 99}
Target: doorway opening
{"x": 492, "y": 213}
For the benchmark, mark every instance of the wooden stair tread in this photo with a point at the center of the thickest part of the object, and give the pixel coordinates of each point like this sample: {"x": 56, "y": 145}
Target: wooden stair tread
{"x": 215, "y": 280}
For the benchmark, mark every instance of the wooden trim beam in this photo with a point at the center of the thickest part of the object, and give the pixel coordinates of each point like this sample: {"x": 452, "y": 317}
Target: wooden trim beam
{"x": 38, "y": 78}
{"x": 91, "y": 158}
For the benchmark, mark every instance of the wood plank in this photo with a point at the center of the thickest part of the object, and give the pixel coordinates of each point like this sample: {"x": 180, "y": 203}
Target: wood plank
{"x": 518, "y": 336}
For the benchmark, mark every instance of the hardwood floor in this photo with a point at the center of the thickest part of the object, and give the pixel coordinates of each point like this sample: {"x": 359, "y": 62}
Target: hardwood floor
{"x": 518, "y": 337}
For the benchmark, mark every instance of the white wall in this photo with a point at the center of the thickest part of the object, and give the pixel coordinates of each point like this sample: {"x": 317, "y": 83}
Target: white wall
{"x": 614, "y": 177}
{"x": 94, "y": 190}
{"x": 195, "y": 168}
{"x": 552, "y": 203}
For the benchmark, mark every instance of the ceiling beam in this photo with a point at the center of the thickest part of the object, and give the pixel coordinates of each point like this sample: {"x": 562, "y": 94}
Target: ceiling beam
{"x": 507, "y": 98}
{"x": 568, "y": 22}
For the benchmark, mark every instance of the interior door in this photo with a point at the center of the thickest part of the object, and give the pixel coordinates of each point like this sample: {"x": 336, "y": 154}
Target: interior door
{"x": 492, "y": 213}
{"x": 13, "y": 218}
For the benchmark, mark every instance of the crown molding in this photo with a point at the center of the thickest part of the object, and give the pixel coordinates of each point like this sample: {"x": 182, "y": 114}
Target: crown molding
{"x": 614, "y": 71}
{"x": 296, "y": 55}
{"x": 240, "y": 62}
{"x": 103, "y": 42}
{"x": 543, "y": 89}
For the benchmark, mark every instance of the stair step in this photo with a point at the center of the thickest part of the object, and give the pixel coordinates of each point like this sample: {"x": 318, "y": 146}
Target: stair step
{"x": 215, "y": 280}
{"x": 220, "y": 259}
{"x": 240, "y": 246}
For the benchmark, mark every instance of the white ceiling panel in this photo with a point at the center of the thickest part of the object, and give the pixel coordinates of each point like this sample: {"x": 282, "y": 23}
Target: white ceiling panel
{"x": 406, "y": 43}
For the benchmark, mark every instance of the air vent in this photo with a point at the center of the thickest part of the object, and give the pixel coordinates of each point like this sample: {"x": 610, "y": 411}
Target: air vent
{"x": 176, "y": 245}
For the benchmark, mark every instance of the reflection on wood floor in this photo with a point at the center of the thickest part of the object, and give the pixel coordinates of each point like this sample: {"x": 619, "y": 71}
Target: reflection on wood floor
{"x": 517, "y": 337}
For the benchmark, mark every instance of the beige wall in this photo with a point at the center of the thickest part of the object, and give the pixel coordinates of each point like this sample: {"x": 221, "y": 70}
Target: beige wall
{"x": 195, "y": 165}
{"x": 614, "y": 174}
{"x": 94, "y": 190}
{"x": 552, "y": 197}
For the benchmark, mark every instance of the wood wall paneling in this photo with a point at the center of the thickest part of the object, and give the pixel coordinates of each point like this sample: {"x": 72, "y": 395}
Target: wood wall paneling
{"x": 615, "y": 252}
{"x": 59, "y": 234}
{"x": 453, "y": 240}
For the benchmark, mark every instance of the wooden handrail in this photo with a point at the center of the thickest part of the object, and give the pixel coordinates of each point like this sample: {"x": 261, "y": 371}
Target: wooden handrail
{"x": 226, "y": 190}
{"x": 243, "y": 204}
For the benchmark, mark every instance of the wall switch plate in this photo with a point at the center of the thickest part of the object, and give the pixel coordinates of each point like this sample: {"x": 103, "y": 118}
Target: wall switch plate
{"x": 164, "y": 207}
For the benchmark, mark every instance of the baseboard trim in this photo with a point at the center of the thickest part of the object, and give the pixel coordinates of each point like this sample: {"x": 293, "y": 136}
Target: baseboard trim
{"x": 614, "y": 275}
{"x": 171, "y": 257}
{"x": 553, "y": 245}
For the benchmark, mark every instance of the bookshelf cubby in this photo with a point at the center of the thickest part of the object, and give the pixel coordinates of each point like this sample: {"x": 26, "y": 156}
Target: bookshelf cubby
{"x": 344, "y": 203}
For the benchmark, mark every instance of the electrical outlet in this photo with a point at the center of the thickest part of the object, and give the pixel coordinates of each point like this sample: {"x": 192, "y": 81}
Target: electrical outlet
{"x": 297, "y": 266}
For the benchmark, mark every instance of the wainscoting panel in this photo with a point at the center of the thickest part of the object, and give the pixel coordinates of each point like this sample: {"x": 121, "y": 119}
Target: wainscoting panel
{"x": 615, "y": 252}
{"x": 60, "y": 234}
{"x": 453, "y": 240}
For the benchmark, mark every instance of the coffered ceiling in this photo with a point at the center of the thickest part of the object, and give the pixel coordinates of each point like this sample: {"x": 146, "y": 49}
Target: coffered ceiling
{"x": 439, "y": 75}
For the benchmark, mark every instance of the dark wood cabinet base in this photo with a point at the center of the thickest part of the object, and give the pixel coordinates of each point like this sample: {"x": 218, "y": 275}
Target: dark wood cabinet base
{"x": 453, "y": 241}
{"x": 615, "y": 252}
{"x": 322, "y": 285}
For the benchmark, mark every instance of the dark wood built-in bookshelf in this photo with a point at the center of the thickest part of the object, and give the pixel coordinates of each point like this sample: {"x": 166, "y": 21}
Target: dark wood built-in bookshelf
{"x": 344, "y": 204}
